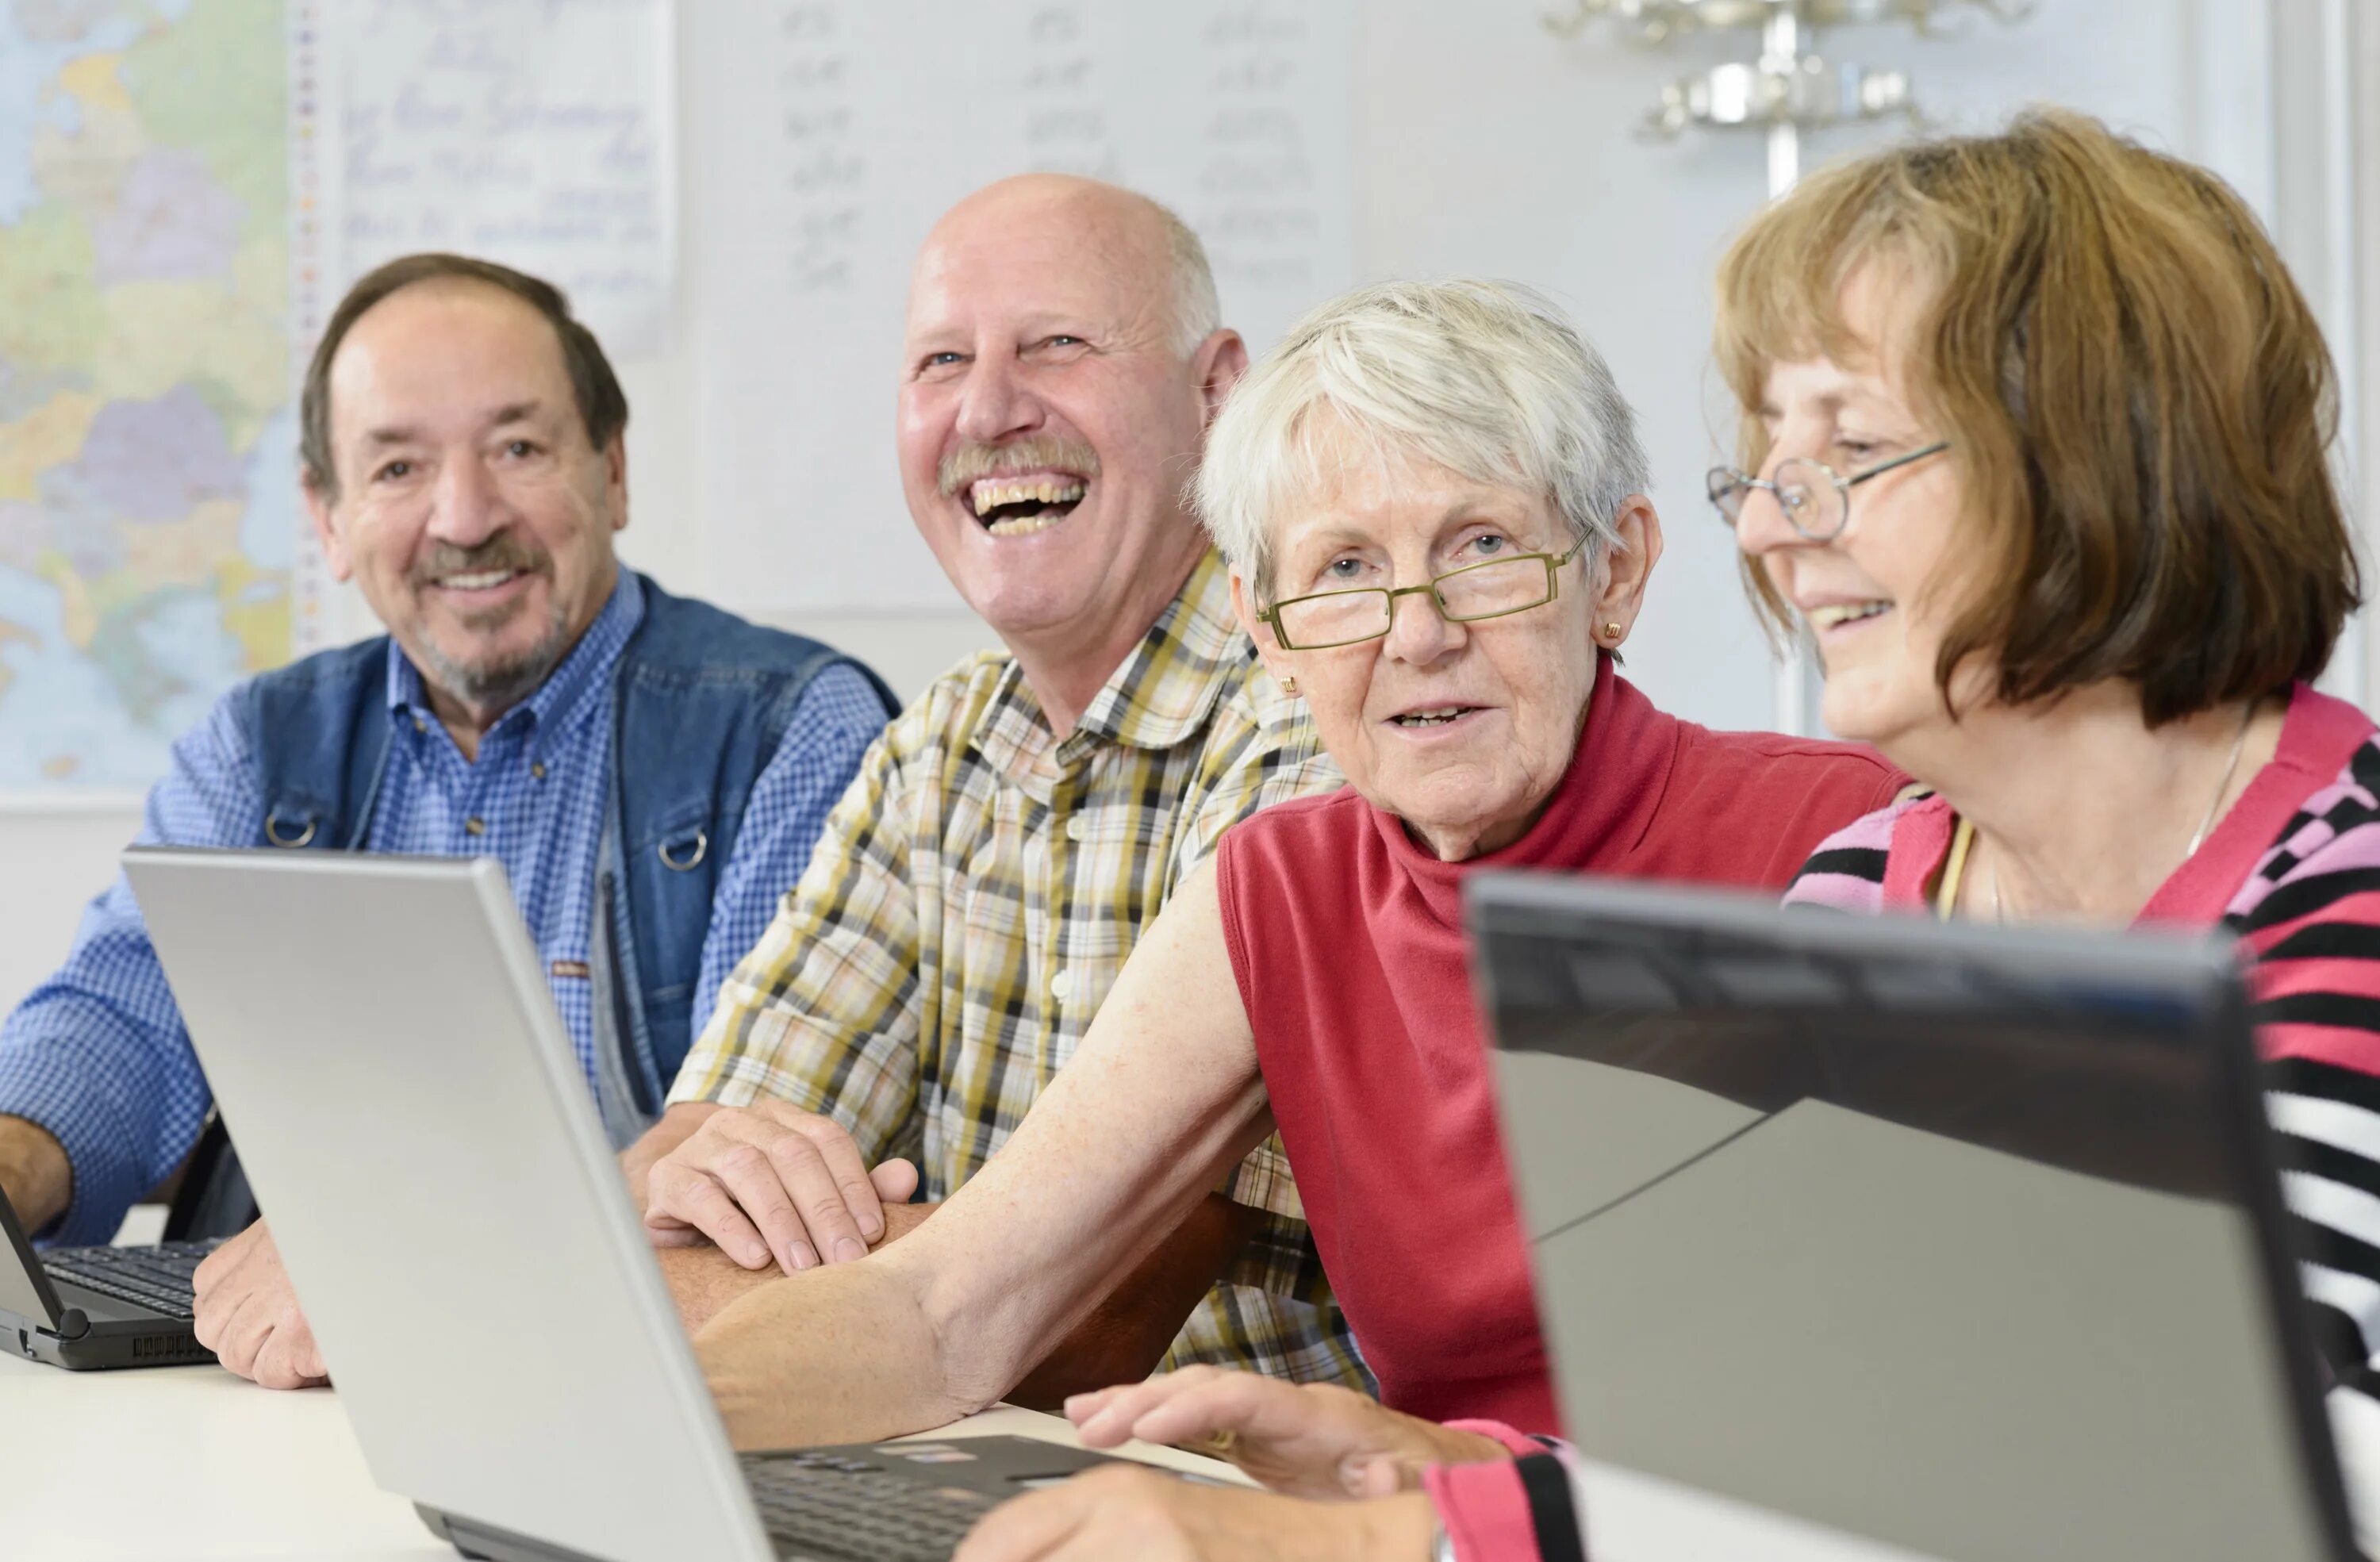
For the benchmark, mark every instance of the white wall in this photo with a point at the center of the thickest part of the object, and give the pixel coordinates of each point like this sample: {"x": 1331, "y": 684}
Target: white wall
{"x": 1484, "y": 144}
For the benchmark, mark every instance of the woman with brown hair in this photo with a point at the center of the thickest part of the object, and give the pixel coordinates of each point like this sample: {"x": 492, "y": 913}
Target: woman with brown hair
{"x": 2040, "y": 429}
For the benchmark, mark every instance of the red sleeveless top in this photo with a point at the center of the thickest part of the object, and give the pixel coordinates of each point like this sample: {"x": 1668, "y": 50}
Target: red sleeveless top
{"x": 1346, "y": 938}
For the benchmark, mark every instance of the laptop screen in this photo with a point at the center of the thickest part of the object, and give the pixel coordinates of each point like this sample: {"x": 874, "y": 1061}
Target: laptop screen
{"x": 1958, "y": 1239}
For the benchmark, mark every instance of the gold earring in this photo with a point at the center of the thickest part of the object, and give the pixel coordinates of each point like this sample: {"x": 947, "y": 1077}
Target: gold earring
{"x": 1289, "y": 684}
{"x": 1612, "y": 630}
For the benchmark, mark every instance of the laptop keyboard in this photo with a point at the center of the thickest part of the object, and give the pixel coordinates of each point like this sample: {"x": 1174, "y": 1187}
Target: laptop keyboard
{"x": 840, "y": 1509}
{"x": 155, "y": 1278}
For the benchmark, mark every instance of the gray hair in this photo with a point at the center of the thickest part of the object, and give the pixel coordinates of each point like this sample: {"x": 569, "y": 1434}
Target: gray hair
{"x": 1485, "y": 378}
{"x": 1196, "y": 311}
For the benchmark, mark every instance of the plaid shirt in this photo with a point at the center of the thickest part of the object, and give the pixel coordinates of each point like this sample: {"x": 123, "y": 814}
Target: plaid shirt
{"x": 973, "y": 899}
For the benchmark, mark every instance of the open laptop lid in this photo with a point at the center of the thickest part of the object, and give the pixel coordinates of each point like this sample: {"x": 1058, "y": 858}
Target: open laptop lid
{"x": 1966, "y": 1241}
{"x": 25, "y": 1287}
{"x": 379, "y": 1038}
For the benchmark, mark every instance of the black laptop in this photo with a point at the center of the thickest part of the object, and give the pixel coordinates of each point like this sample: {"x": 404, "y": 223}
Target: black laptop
{"x": 1963, "y": 1240}
{"x": 98, "y": 1306}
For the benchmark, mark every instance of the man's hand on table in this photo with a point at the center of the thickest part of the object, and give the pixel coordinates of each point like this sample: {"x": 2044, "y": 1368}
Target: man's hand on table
{"x": 1152, "y": 1514}
{"x": 248, "y": 1314}
{"x": 769, "y": 1183}
{"x": 1312, "y": 1440}
{"x": 778, "y": 1190}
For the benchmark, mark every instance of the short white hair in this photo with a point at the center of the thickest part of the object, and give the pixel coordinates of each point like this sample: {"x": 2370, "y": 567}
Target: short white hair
{"x": 1485, "y": 378}
{"x": 1198, "y": 313}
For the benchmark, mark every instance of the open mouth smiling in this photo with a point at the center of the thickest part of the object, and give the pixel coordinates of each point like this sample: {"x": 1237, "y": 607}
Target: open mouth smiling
{"x": 1436, "y": 716}
{"x": 482, "y": 580}
{"x": 1834, "y": 615}
{"x": 1021, "y": 503}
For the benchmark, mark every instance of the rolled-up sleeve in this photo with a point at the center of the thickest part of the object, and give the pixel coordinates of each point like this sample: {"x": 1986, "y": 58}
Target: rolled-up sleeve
{"x": 97, "y": 1054}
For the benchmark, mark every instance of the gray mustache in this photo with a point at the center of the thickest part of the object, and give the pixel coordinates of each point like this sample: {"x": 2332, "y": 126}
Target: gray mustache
{"x": 971, "y": 463}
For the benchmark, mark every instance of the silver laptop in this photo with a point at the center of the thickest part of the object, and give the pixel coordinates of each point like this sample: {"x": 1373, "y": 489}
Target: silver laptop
{"x": 1964, "y": 1242}
{"x": 379, "y": 1038}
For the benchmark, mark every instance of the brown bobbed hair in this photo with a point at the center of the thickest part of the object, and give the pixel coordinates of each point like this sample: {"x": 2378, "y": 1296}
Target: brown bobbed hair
{"x": 602, "y": 405}
{"x": 2139, "y": 400}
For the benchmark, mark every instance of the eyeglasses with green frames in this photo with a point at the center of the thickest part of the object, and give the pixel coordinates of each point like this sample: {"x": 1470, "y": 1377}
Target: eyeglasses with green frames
{"x": 1815, "y": 498}
{"x": 1474, "y": 592}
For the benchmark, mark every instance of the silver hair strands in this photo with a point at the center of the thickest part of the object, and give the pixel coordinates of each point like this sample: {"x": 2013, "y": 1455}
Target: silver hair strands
{"x": 1487, "y": 379}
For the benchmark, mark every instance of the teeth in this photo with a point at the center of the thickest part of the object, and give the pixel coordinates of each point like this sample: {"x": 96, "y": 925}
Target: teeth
{"x": 1432, "y": 718}
{"x": 479, "y": 582}
{"x": 1844, "y": 612}
{"x": 1023, "y": 526}
{"x": 991, "y": 495}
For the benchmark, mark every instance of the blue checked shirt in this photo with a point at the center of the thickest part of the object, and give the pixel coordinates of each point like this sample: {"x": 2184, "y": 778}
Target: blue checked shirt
{"x": 97, "y": 1055}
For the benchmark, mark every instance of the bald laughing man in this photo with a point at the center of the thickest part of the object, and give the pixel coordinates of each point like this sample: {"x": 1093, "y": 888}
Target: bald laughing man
{"x": 980, "y": 884}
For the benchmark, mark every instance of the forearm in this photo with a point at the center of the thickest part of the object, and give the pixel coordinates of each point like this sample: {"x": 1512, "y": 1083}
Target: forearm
{"x": 837, "y": 1354}
{"x": 123, "y": 1100}
{"x": 1128, "y": 1333}
{"x": 703, "y": 1280}
{"x": 34, "y": 1172}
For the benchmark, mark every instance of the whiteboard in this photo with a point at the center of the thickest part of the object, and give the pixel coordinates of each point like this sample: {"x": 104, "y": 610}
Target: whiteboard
{"x": 823, "y": 139}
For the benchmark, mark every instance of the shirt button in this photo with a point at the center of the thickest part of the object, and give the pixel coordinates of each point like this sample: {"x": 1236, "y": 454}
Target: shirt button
{"x": 537, "y": 769}
{"x": 1074, "y": 828}
{"x": 420, "y": 726}
{"x": 1062, "y": 983}
{"x": 476, "y": 826}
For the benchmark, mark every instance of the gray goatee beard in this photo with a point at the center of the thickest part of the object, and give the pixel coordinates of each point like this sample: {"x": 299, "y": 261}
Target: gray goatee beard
{"x": 501, "y": 684}
{"x": 497, "y": 684}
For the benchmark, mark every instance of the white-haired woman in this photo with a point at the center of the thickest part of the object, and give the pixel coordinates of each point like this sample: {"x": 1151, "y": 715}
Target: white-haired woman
{"x": 1432, "y": 500}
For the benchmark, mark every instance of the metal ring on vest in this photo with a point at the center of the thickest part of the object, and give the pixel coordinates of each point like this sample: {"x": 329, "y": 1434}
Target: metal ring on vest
{"x": 701, "y": 850}
{"x": 273, "y": 832}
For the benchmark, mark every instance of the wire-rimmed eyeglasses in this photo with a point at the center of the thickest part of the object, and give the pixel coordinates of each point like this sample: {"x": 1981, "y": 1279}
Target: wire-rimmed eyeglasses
{"x": 1815, "y": 498}
{"x": 1466, "y": 596}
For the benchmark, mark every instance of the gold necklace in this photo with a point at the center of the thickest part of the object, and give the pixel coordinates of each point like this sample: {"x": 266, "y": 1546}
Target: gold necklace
{"x": 2197, "y": 837}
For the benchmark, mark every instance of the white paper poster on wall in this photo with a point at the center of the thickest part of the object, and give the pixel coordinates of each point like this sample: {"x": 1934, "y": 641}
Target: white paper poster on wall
{"x": 538, "y": 133}
{"x": 827, "y": 136}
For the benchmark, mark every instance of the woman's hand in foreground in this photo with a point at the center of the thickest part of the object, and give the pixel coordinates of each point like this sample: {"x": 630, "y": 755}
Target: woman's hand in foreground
{"x": 1147, "y": 1514}
{"x": 1312, "y": 1440}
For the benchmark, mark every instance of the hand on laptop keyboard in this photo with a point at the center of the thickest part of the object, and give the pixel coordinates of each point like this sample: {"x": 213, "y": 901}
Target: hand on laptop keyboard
{"x": 1144, "y": 1513}
{"x": 1314, "y": 1439}
{"x": 248, "y": 1314}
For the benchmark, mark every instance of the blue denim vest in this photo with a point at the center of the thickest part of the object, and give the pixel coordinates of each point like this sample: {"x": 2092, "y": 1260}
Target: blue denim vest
{"x": 700, "y": 699}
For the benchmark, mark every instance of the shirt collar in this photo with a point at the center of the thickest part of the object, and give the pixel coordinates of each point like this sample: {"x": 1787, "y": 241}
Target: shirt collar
{"x": 1162, "y": 694}
{"x": 565, "y": 696}
{"x": 1598, "y": 814}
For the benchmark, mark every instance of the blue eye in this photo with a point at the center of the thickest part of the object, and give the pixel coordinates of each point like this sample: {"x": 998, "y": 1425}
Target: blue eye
{"x": 1341, "y": 569}
{"x": 520, "y": 448}
{"x": 393, "y": 470}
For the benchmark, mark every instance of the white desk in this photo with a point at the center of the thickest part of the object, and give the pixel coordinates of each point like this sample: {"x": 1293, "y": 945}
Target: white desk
{"x": 191, "y": 1462}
